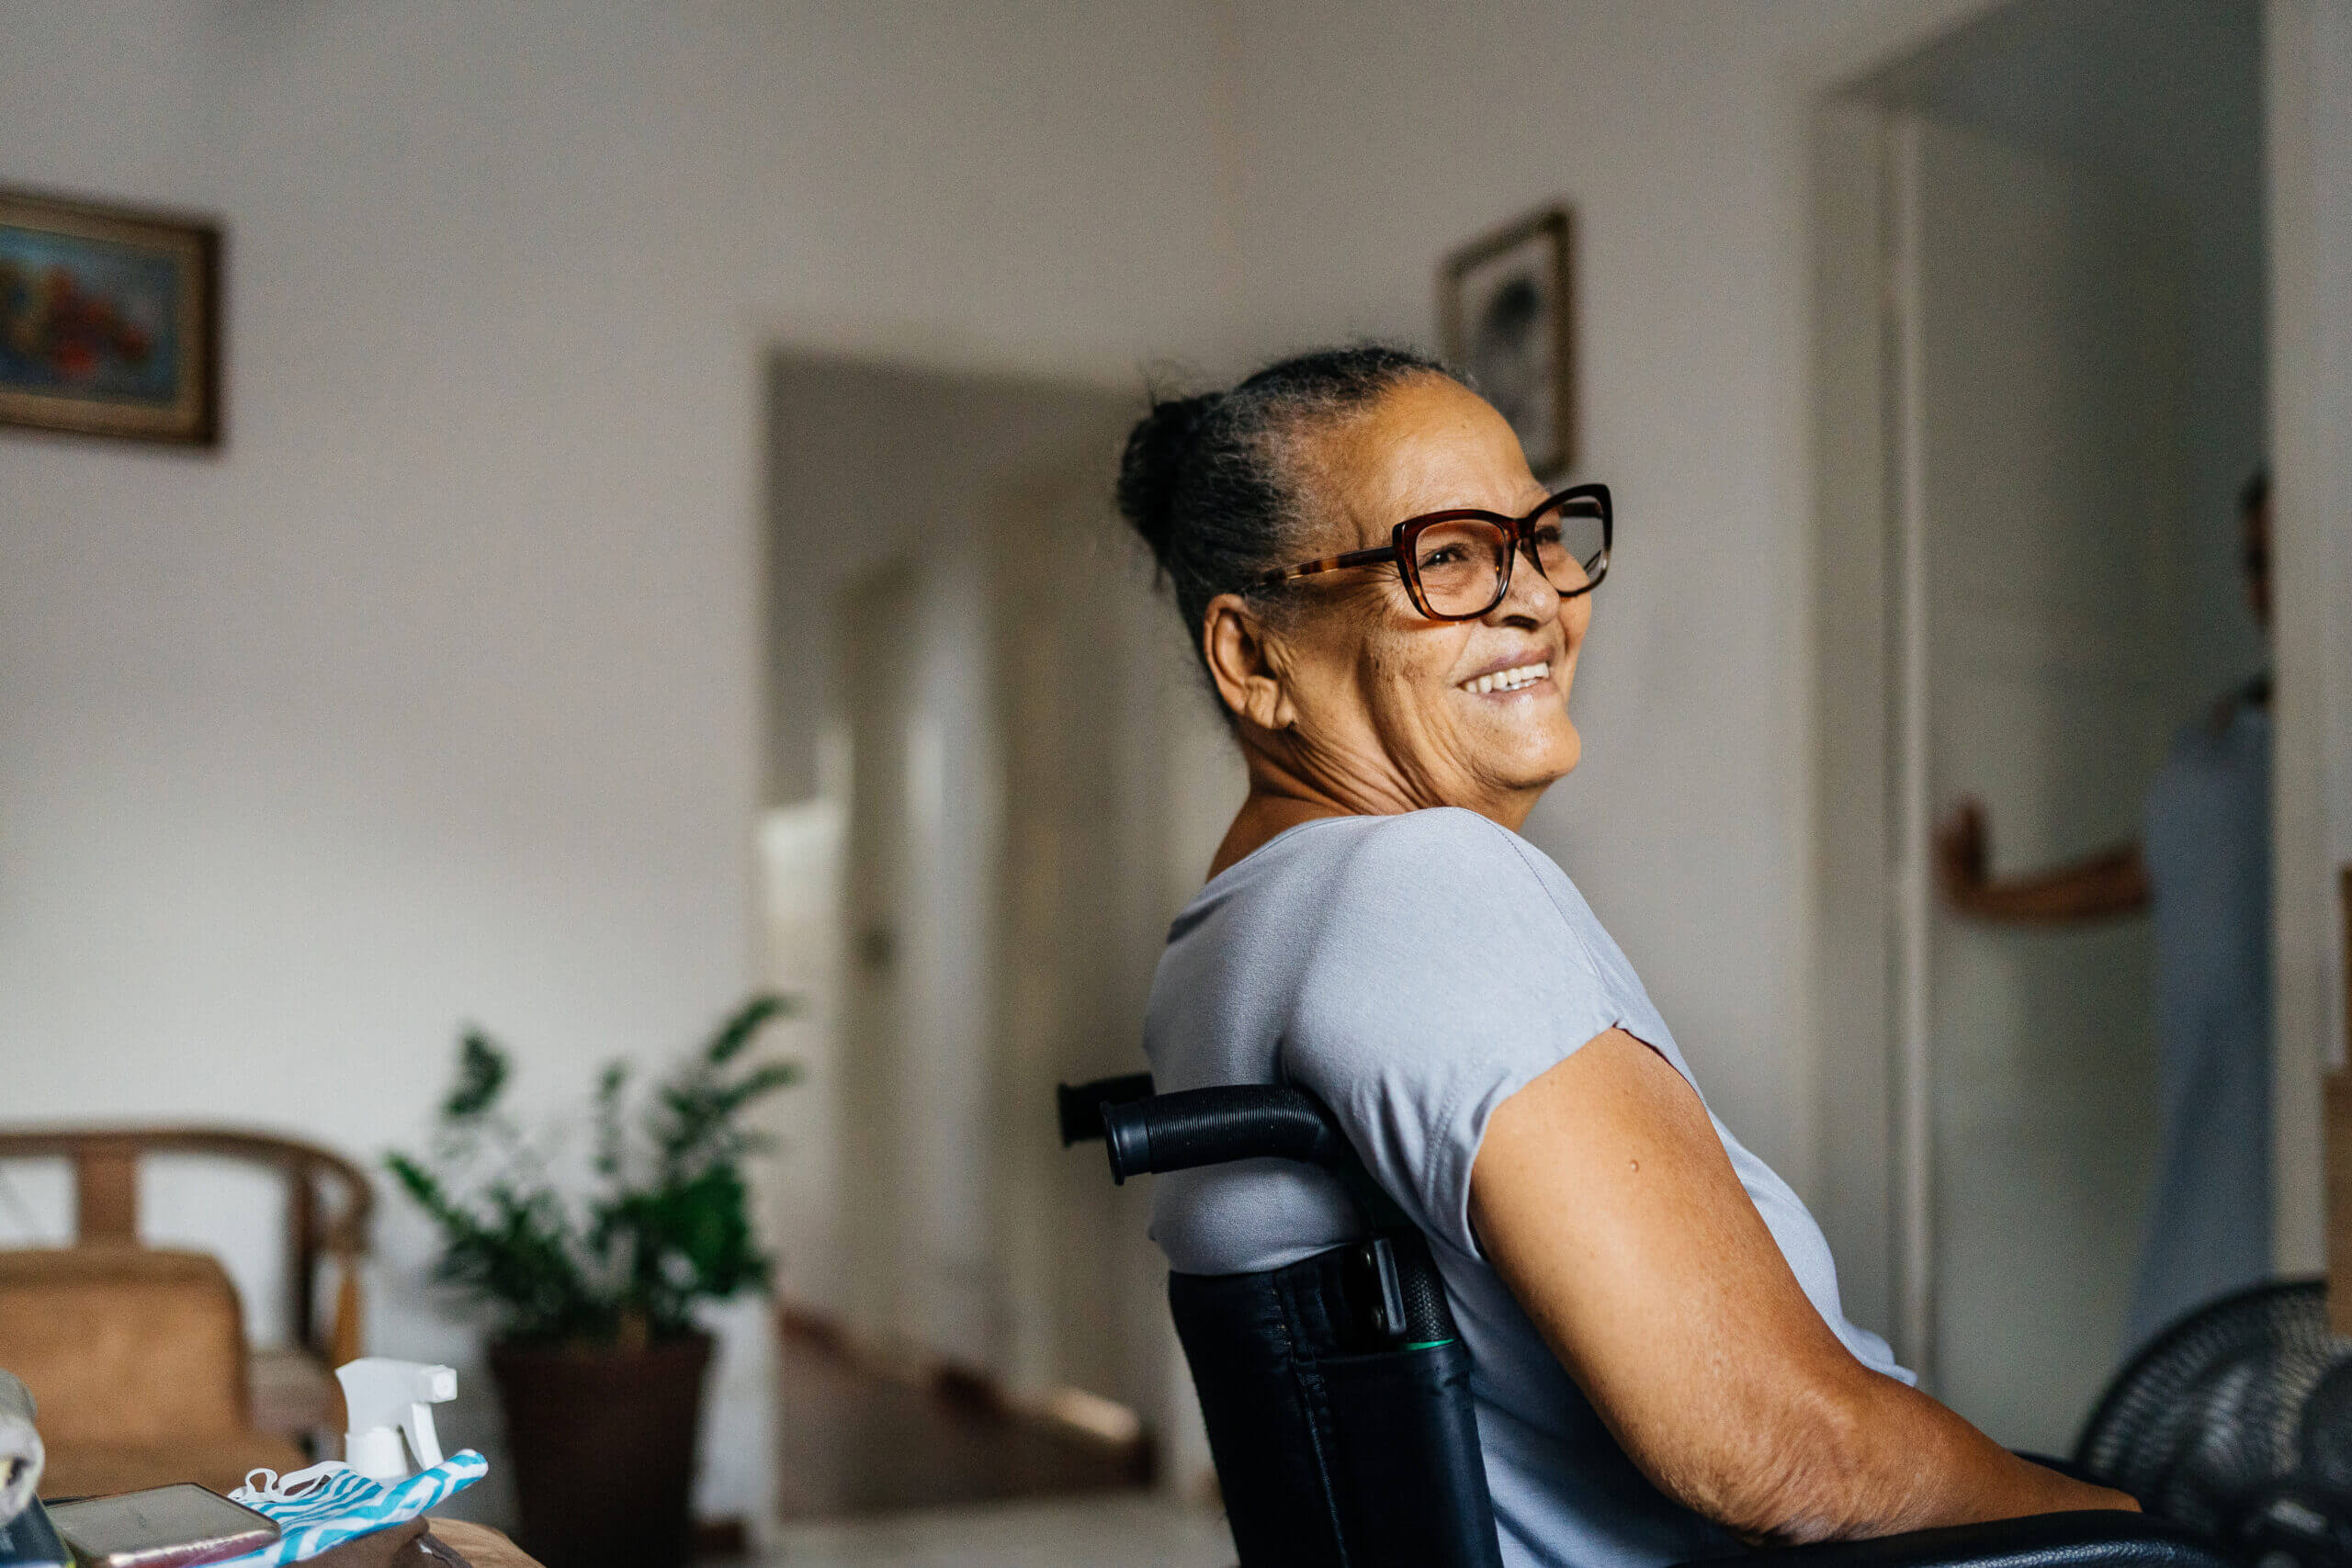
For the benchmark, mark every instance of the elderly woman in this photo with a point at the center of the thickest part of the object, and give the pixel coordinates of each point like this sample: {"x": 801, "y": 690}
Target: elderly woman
{"x": 1390, "y": 607}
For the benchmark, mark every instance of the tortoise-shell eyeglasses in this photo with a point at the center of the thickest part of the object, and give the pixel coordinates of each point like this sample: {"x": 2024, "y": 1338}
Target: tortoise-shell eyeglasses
{"x": 1456, "y": 565}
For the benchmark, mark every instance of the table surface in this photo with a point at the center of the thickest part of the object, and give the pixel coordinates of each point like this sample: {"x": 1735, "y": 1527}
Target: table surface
{"x": 482, "y": 1546}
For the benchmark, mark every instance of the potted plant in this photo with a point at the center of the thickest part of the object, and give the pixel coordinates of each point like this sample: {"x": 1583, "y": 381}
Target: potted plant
{"x": 598, "y": 1362}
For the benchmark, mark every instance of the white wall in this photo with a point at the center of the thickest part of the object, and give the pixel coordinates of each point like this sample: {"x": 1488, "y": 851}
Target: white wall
{"x": 434, "y": 696}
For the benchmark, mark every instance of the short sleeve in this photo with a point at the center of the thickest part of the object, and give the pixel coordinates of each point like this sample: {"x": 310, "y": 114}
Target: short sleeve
{"x": 1446, "y": 977}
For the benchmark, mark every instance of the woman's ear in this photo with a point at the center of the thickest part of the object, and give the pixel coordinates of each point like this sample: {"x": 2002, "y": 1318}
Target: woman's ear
{"x": 1244, "y": 660}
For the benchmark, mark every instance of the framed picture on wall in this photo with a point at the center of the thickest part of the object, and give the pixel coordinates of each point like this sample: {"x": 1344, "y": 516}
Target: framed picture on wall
{"x": 109, "y": 321}
{"x": 1507, "y": 314}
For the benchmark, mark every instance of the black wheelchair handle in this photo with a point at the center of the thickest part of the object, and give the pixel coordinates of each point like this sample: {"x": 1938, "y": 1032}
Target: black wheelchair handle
{"x": 1079, "y": 1107}
{"x": 1210, "y": 1126}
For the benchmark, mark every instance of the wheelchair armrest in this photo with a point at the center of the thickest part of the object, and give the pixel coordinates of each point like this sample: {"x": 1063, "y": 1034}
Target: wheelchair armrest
{"x": 2086, "y": 1539}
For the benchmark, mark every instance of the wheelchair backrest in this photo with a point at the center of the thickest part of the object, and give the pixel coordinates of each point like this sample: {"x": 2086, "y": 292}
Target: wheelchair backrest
{"x": 1335, "y": 1391}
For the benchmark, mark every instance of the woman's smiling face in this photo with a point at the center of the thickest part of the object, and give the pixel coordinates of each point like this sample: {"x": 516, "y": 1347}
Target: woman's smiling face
{"x": 1374, "y": 702}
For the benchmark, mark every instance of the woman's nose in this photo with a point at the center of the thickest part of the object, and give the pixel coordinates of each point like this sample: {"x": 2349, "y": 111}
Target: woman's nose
{"x": 1530, "y": 598}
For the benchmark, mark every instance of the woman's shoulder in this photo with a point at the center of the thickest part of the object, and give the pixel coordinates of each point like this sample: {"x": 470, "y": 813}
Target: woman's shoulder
{"x": 1373, "y": 858}
{"x": 1448, "y": 963}
{"x": 1436, "y": 837}
{"x": 1432, "y": 879}
{"x": 1447, "y": 851}
{"x": 1429, "y": 881}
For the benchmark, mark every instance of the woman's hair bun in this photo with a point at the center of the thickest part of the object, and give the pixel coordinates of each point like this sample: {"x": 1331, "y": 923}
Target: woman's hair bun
{"x": 1153, "y": 463}
{"x": 1211, "y": 481}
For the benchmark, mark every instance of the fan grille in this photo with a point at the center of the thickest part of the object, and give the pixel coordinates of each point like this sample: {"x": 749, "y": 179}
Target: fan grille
{"x": 2207, "y": 1420}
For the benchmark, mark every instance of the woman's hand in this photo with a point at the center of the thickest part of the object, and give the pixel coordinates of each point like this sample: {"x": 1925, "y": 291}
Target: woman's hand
{"x": 1607, "y": 1203}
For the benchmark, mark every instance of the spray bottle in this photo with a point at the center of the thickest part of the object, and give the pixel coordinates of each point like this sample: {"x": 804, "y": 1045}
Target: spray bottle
{"x": 386, "y": 1398}
{"x": 20, "y": 1451}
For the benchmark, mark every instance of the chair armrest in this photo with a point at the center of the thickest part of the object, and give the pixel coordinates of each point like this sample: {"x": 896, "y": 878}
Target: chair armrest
{"x": 2086, "y": 1539}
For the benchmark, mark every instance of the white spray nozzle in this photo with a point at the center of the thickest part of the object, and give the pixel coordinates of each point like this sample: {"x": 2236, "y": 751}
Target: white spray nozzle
{"x": 20, "y": 1451}
{"x": 386, "y": 1398}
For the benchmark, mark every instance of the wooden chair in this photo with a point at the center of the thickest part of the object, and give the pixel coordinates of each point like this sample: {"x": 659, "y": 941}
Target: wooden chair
{"x": 290, "y": 1390}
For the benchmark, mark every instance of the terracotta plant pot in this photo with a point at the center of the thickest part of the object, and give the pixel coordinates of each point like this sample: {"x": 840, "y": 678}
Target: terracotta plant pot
{"x": 602, "y": 1444}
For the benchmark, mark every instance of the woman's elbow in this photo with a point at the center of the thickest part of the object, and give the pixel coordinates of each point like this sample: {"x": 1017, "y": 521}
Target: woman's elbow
{"x": 1799, "y": 1469}
{"x": 1857, "y": 1456}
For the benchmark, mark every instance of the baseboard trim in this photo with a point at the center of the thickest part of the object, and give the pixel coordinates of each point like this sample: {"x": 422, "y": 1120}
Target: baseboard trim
{"x": 1074, "y": 1413}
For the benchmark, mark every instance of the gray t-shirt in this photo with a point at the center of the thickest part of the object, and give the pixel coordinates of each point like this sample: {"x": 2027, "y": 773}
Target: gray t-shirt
{"x": 1415, "y": 972}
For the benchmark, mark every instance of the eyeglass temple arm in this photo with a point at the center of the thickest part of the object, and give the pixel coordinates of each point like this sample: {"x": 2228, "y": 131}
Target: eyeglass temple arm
{"x": 1331, "y": 563}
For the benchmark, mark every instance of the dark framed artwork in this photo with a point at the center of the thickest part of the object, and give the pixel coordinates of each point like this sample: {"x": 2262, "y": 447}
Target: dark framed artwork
{"x": 109, "y": 321}
{"x": 1507, "y": 314}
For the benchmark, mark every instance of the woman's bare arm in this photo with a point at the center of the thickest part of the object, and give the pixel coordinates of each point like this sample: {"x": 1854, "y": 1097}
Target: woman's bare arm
{"x": 1605, "y": 1200}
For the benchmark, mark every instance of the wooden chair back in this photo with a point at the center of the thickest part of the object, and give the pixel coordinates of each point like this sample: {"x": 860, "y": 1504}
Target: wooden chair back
{"x": 328, "y": 1201}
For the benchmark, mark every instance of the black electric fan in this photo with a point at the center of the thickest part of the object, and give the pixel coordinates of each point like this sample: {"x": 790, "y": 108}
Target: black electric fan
{"x": 2237, "y": 1423}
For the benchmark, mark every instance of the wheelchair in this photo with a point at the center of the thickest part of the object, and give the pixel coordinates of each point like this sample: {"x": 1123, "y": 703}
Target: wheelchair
{"x": 1337, "y": 1393}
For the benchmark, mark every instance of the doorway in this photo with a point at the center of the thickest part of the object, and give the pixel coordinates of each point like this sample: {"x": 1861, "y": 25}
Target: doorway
{"x": 985, "y": 761}
{"x": 2043, "y": 371}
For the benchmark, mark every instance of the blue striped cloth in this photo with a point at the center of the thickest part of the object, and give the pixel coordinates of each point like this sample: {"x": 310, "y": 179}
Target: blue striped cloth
{"x": 332, "y": 1502}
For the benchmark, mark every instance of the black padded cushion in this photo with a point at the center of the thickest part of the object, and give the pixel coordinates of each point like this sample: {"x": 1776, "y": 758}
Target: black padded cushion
{"x": 2040, "y": 1541}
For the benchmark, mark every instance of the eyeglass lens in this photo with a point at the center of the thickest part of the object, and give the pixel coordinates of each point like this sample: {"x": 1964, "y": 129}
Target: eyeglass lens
{"x": 1463, "y": 565}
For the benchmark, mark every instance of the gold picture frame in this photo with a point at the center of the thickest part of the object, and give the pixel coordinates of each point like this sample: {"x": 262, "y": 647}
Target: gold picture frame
{"x": 109, "y": 320}
{"x": 1507, "y": 314}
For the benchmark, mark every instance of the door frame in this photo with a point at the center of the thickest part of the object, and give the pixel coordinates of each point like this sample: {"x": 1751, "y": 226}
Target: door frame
{"x": 2308, "y": 81}
{"x": 1871, "y": 885}
{"x": 1872, "y": 877}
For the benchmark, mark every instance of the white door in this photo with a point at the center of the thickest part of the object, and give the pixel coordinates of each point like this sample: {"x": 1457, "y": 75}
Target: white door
{"x": 1005, "y": 893}
{"x": 1084, "y": 914}
{"x": 916, "y": 1162}
{"x": 878, "y": 614}
{"x": 2040, "y": 312}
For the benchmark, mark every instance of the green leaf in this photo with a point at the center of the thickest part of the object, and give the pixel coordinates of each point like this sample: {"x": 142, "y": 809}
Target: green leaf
{"x": 612, "y": 1141}
{"x": 481, "y": 1075}
{"x": 748, "y": 1021}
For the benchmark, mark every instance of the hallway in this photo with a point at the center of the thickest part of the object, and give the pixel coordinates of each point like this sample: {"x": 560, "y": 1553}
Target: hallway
{"x": 854, "y": 1442}
{"x": 1130, "y": 1530}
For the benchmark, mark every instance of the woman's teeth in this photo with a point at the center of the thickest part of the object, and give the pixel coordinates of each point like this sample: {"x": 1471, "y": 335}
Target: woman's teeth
{"x": 1509, "y": 680}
